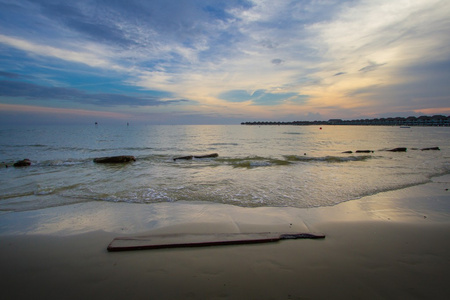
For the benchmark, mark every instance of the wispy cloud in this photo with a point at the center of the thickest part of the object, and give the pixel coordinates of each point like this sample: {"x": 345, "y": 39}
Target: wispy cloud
{"x": 261, "y": 97}
{"x": 372, "y": 66}
{"x": 33, "y": 91}
{"x": 11, "y": 75}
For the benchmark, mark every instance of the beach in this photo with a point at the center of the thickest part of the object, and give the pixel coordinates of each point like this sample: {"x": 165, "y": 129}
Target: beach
{"x": 391, "y": 245}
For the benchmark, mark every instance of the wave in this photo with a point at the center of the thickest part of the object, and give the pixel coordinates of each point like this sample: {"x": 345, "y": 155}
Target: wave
{"x": 224, "y": 144}
{"x": 253, "y": 161}
{"x": 330, "y": 159}
{"x": 258, "y": 161}
{"x": 11, "y": 195}
{"x": 25, "y": 146}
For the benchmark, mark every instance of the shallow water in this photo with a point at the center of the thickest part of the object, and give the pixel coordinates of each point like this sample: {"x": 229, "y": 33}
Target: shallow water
{"x": 298, "y": 166}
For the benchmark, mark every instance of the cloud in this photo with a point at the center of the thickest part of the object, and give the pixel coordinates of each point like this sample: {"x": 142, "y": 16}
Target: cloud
{"x": 86, "y": 22}
{"x": 227, "y": 55}
{"x": 260, "y": 97}
{"x": 371, "y": 67}
{"x": 33, "y": 91}
{"x": 277, "y": 61}
{"x": 90, "y": 59}
{"x": 11, "y": 75}
{"x": 269, "y": 44}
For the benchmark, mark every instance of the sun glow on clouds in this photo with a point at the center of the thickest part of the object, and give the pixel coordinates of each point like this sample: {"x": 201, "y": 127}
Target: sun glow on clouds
{"x": 233, "y": 60}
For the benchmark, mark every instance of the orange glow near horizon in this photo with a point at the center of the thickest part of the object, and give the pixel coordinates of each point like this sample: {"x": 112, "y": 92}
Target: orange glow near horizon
{"x": 64, "y": 111}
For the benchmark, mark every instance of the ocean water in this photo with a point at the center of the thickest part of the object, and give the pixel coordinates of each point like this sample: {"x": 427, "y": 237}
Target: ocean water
{"x": 277, "y": 166}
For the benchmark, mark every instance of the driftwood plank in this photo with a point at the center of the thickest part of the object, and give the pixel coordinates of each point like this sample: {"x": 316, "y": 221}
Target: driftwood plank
{"x": 202, "y": 240}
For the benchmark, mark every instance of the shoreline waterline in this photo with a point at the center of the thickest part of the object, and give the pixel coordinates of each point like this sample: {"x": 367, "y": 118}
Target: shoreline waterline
{"x": 420, "y": 203}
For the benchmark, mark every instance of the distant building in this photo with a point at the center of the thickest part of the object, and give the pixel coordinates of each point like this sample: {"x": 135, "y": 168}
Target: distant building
{"x": 436, "y": 120}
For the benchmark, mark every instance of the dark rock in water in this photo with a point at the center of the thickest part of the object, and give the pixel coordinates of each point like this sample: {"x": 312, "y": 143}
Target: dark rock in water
{"x": 22, "y": 163}
{"x": 184, "y": 157}
{"x": 401, "y": 149}
{"x": 114, "y": 159}
{"x": 364, "y": 151}
{"x": 207, "y": 155}
{"x": 196, "y": 156}
{"x": 349, "y": 152}
{"x": 432, "y": 148}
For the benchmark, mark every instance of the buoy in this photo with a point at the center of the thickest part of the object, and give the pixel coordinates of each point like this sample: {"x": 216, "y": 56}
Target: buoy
{"x": 320, "y": 128}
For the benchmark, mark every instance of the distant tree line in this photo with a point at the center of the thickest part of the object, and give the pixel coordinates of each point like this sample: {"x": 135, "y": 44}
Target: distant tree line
{"x": 436, "y": 120}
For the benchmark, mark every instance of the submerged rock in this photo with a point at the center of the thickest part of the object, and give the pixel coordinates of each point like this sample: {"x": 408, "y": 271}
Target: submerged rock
{"x": 207, "y": 155}
{"x": 22, "y": 163}
{"x": 432, "y": 148}
{"x": 196, "y": 156}
{"x": 184, "y": 157}
{"x": 400, "y": 149}
{"x": 114, "y": 159}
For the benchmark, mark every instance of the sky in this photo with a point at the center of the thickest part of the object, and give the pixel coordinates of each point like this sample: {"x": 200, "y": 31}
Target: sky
{"x": 222, "y": 62}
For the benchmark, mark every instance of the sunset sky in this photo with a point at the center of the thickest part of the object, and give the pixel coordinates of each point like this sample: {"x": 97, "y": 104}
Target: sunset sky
{"x": 222, "y": 62}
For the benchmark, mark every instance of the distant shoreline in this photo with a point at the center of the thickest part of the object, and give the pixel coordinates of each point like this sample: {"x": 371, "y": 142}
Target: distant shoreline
{"x": 436, "y": 120}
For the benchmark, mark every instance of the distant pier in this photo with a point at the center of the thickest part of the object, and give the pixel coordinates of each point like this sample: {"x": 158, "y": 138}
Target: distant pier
{"x": 436, "y": 120}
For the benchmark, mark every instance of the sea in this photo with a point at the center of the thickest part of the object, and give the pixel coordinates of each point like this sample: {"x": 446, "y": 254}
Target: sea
{"x": 256, "y": 166}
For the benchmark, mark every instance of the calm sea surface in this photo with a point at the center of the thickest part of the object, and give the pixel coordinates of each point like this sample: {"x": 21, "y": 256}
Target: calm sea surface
{"x": 298, "y": 166}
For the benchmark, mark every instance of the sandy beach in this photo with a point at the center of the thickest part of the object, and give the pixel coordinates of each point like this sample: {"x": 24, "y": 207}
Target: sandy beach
{"x": 392, "y": 245}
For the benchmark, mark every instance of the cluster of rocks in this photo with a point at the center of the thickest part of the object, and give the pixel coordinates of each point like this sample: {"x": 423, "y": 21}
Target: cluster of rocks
{"x": 110, "y": 159}
{"x": 129, "y": 158}
{"x": 399, "y": 149}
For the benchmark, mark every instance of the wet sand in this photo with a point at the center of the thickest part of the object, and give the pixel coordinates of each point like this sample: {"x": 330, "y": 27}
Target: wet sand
{"x": 393, "y": 245}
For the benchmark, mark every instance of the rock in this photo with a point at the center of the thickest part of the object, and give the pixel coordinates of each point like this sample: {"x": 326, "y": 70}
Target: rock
{"x": 401, "y": 149}
{"x": 364, "y": 151}
{"x": 184, "y": 157}
{"x": 349, "y": 152}
{"x": 432, "y": 148}
{"x": 114, "y": 159}
{"x": 207, "y": 155}
{"x": 22, "y": 163}
{"x": 196, "y": 156}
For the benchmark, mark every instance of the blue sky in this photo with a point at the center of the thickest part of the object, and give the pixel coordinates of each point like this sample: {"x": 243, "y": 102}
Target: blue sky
{"x": 222, "y": 62}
